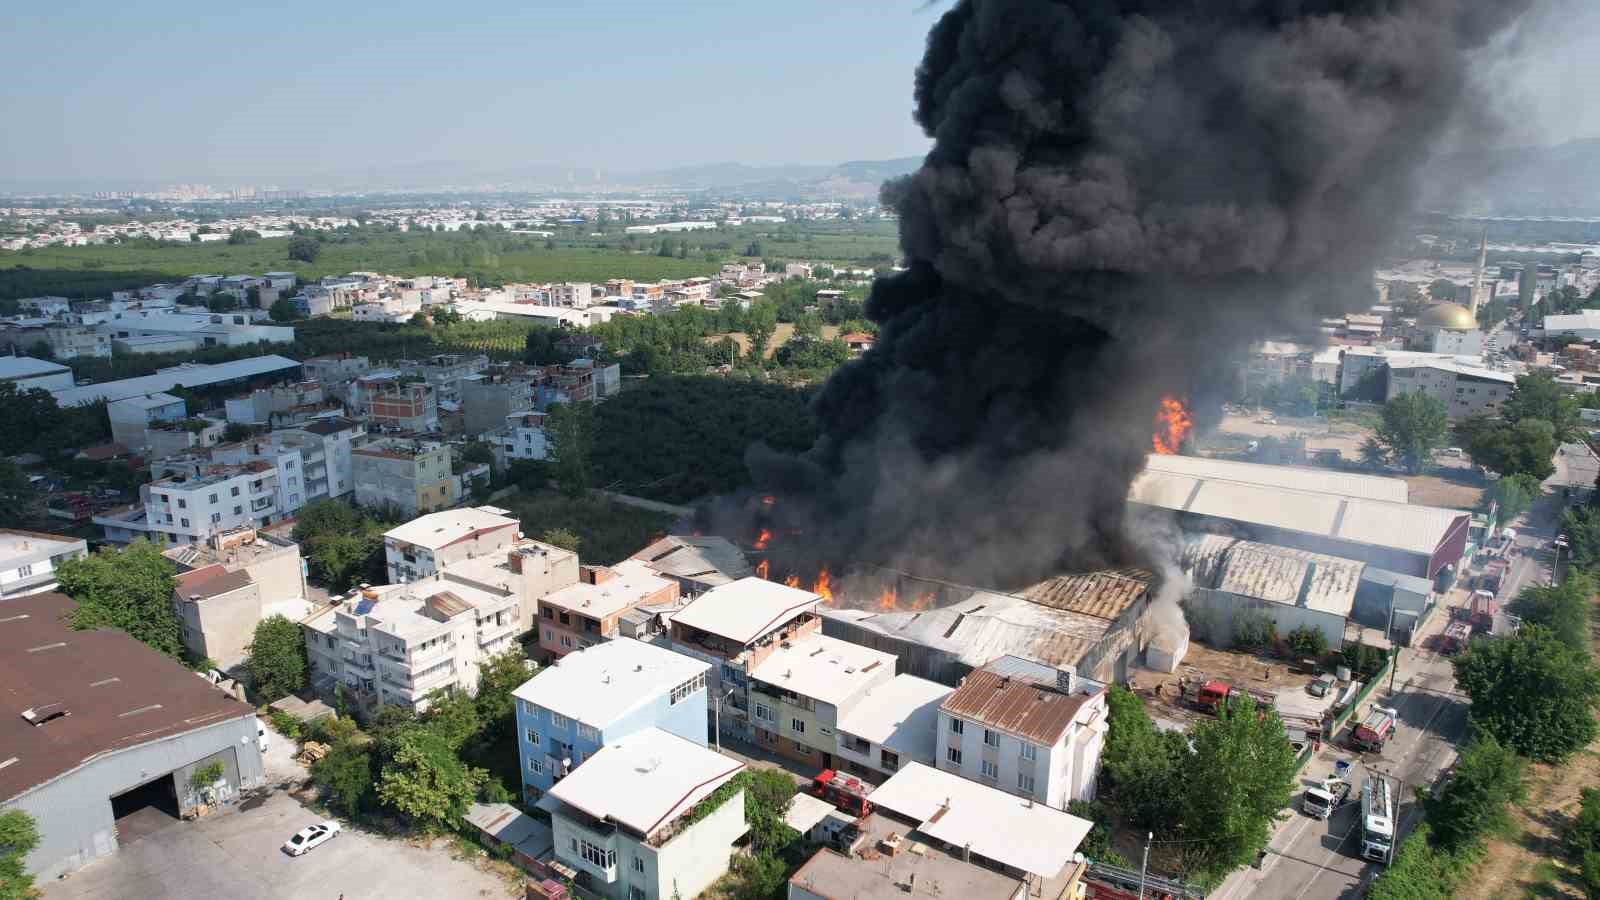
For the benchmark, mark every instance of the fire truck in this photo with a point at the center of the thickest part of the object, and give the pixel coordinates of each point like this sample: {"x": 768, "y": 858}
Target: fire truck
{"x": 1374, "y": 730}
{"x": 1377, "y": 820}
{"x": 1208, "y": 696}
{"x": 846, "y": 792}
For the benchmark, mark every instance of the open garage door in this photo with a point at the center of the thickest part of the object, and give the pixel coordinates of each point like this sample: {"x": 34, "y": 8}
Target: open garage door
{"x": 146, "y": 809}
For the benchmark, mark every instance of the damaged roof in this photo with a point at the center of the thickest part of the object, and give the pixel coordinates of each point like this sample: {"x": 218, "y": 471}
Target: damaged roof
{"x": 1278, "y": 574}
{"x": 1020, "y": 706}
{"x": 1104, "y": 595}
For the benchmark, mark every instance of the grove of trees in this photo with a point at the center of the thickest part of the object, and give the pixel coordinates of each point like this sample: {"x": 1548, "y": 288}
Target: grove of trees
{"x": 129, "y": 589}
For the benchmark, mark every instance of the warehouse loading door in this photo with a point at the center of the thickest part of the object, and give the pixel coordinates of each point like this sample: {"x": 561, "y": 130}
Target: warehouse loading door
{"x": 146, "y": 809}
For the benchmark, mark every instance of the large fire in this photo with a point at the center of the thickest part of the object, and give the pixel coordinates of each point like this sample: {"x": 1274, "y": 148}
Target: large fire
{"x": 762, "y": 540}
{"x": 1173, "y": 425}
{"x": 823, "y": 586}
{"x": 889, "y": 599}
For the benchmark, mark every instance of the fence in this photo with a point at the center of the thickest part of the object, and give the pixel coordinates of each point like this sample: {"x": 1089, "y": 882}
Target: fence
{"x": 1362, "y": 695}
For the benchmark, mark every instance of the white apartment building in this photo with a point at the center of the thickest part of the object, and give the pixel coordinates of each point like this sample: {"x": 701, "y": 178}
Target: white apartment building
{"x": 325, "y": 448}
{"x": 572, "y": 294}
{"x": 1025, "y": 728}
{"x": 890, "y": 726}
{"x": 285, "y": 459}
{"x": 186, "y": 508}
{"x": 623, "y": 819}
{"x": 28, "y": 560}
{"x": 427, "y": 544}
{"x": 414, "y": 476}
{"x": 77, "y": 342}
{"x": 522, "y": 438}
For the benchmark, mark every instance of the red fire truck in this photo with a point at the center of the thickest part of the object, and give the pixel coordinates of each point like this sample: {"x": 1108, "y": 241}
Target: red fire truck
{"x": 847, "y": 792}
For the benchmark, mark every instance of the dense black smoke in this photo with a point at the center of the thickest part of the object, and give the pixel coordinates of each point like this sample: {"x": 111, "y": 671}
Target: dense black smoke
{"x": 1122, "y": 195}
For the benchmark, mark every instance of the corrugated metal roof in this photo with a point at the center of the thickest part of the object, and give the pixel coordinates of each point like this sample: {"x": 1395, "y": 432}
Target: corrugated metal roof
{"x": 187, "y": 375}
{"x": 1300, "y": 478}
{"x": 1104, "y": 595}
{"x": 1277, "y": 574}
{"x": 1022, "y": 707}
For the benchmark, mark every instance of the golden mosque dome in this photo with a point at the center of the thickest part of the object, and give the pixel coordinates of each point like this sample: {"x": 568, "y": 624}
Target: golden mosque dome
{"x": 1451, "y": 316}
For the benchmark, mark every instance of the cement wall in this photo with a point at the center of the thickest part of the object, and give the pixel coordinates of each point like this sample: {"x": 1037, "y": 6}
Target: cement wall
{"x": 1211, "y": 615}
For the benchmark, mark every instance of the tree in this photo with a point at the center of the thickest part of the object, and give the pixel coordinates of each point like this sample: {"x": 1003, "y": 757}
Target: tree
{"x": 760, "y": 324}
{"x": 1373, "y": 454}
{"x": 1537, "y": 395}
{"x": 276, "y": 659}
{"x": 1307, "y": 641}
{"x": 444, "y": 315}
{"x": 499, "y": 676}
{"x": 1527, "y": 286}
{"x": 1527, "y": 447}
{"x": 18, "y": 499}
{"x": 304, "y": 248}
{"x": 1585, "y": 834}
{"x": 1487, "y": 779}
{"x": 252, "y": 296}
{"x": 19, "y": 835}
{"x": 426, "y": 783}
{"x": 570, "y": 427}
{"x": 1139, "y": 764}
{"x": 130, "y": 589}
{"x": 236, "y": 432}
{"x": 1532, "y": 692}
{"x": 1563, "y": 608}
{"x": 477, "y": 452}
{"x": 282, "y": 310}
{"x": 1582, "y": 527}
{"x": 1413, "y": 426}
{"x": 453, "y": 716}
{"x": 1513, "y": 495}
{"x": 222, "y": 301}
{"x": 1443, "y": 289}
{"x": 1239, "y": 776}
{"x": 420, "y": 319}
{"x": 345, "y": 774}
{"x": 561, "y": 537}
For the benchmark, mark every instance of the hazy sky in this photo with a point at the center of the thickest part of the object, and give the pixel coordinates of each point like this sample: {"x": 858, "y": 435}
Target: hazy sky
{"x": 179, "y": 90}
{"x": 112, "y": 92}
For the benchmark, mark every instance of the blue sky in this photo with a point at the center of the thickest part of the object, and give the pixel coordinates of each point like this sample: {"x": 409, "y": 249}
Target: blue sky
{"x": 178, "y": 90}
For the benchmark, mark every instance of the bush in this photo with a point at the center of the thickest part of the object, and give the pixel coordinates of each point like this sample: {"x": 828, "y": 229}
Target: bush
{"x": 1363, "y": 660}
{"x": 1253, "y": 629}
{"x": 285, "y": 724}
{"x": 1307, "y": 641}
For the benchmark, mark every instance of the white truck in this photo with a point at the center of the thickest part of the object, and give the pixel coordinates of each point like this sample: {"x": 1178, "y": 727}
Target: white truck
{"x": 1377, "y": 819}
{"x": 1321, "y": 801}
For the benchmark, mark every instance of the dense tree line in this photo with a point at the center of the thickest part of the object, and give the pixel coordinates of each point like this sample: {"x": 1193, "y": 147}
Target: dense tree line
{"x": 343, "y": 545}
{"x": 1522, "y": 440}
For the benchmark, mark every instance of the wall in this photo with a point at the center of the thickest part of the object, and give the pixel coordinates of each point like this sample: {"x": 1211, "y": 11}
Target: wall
{"x": 74, "y": 812}
{"x": 1211, "y": 613}
{"x": 688, "y": 863}
{"x": 222, "y": 625}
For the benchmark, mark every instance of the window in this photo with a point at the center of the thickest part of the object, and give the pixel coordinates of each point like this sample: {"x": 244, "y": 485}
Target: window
{"x": 234, "y": 490}
{"x": 953, "y": 755}
{"x": 546, "y": 613}
{"x": 238, "y": 510}
{"x": 958, "y": 727}
{"x": 184, "y": 522}
{"x": 990, "y": 770}
{"x": 535, "y": 765}
{"x": 24, "y": 571}
{"x": 801, "y": 749}
{"x": 694, "y": 684}
{"x": 764, "y": 712}
{"x": 595, "y": 856}
{"x": 182, "y": 503}
{"x": 855, "y": 744}
{"x": 533, "y": 737}
{"x": 798, "y": 726}
{"x": 559, "y": 721}
{"x": 1029, "y": 751}
{"x": 638, "y": 864}
{"x": 991, "y": 737}
{"x": 588, "y": 733}
{"x": 1025, "y": 783}
{"x": 634, "y": 891}
{"x": 889, "y": 759}
{"x": 566, "y": 642}
{"x": 549, "y": 636}
{"x": 216, "y": 518}
{"x": 212, "y": 500}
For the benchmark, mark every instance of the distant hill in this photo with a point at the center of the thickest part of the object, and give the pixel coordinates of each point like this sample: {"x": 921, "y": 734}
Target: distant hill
{"x": 851, "y": 180}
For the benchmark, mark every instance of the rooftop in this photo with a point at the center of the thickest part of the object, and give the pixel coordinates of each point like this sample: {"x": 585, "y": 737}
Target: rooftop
{"x": 601, "y": 684}
{"x": 1460, "y": 369}
{"x": 625, "y": 588}
{"x": 328, "y": 426}
{"x": 1104, "y": 595}
{"x": 112, "y": 692}
{"x": 150, "y": 401}
{"x": 210, "y": 581}
{"x": 708, "y": 560}
{"x": 15, "y": 543}
{"x": 1036, "y": 712}
{"x": 1010, "y": 830}
{"x": 27, "y": 367}
{"x": 1301, "y": 478}
{"x": 746, "y": 609}
{"x": 901, "y": 714}
{"x": 876, "y": 875}
{"x": 1278, "y": 574}
{"x": 435, "y": 531}
{"x": 645, "y": 780}
{"x": 186, "y": 375}
{"x": 823, "y": 668}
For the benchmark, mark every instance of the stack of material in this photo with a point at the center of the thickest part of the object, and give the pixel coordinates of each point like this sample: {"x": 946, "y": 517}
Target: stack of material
{"x": 312, "y": 752}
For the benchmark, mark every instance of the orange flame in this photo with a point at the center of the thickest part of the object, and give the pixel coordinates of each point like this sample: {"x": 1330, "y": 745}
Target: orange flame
{"x": 922, "y": 602}
{"x": 888, "y": 600}
{"x": 763, "y": 568}
{"x": 792, "y": 581}
{"x": 1173, "y": 425}
{"x": 764, "y": 538}
{"x": 823, "y": 586}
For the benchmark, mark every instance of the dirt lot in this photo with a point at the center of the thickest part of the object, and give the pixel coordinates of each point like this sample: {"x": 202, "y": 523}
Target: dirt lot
{"x": 1255, "y": 672}
{"x": 780, "y": 336}
{"x": 1455, "y": 490}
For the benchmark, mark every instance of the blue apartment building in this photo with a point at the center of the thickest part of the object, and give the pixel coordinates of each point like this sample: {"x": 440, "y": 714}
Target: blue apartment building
{"x": 595, "y": 697}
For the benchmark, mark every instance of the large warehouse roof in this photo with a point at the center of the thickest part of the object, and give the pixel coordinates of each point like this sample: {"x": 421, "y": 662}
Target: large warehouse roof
{"x": 1279, "y": 574}
{"x": 1301, "y": 478}
{"x": 68, "y": 697}
{"x": 186, "y": 375}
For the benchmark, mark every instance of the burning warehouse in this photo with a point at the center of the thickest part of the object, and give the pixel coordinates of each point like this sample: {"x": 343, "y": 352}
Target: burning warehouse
{"x": 1095, "y": 624}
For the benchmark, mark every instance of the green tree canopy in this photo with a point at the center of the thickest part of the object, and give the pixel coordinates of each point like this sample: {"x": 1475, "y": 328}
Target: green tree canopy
{"x": 130, "y": 589}
{"x": 1139, "y": 764}
{"x": 303, "y": 248}
{"x": 1513, "y": 495}
{"x": 19, "y": 835}
{"x": 1486, "y": 781}
{"x": 346, "y": 775}
{"x": 1413, "y": 426}
{"x": 571, "y": 430}
{"x": 1562, "y": 608}
{"x": 1239, "y": 777}
{"x": 1533, "y": 692}
{"x": 282, "y": 310}
{"x": 1527, "y": 447}
{"x": 426, "y": 782}
{"x": 561, "y": 537}
{"x": 1537, "y": 395}
{"x": 18, "y": 500}
{"x": 276, "y": 658}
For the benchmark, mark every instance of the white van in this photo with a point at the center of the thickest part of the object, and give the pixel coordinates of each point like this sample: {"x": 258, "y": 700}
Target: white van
{"x": 261, "y": 735}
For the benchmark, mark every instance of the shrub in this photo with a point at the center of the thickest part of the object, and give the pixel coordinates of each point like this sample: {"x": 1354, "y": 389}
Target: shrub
{"x": 1307, "y": 641}
{"x": 1253, "y": 629}
{"x": 285, "y": 724}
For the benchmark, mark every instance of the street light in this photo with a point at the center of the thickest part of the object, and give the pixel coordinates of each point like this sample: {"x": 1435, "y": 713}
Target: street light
{"x": 716, "y": 715}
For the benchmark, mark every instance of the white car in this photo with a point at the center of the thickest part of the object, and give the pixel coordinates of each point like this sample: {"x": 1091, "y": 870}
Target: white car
{"x": 311, "y": 836}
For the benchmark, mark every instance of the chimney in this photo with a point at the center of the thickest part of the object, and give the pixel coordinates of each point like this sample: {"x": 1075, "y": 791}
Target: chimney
{"x": 514, "y": 560}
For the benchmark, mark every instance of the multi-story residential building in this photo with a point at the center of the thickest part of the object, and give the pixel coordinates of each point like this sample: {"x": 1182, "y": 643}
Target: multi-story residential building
{"x": 585, "y": 614}
{"x": 28, "y": 560}
{"x": 630, "y": 821}
{"x": 488, "y": 399}
{"x": 175, "y": 438}
{"x": 891, "y": 725}
{"x": 186, "y": 508}
{"x": 1025, "y": 728}
{"x": 598, "y": 696}
{"x": 523, "y": 437}
{"x": 573, "y": 294}
{"x": 336, "y": 368}
{"x": 735, "y": 627}
{"x": 77, "y": 342}
{"x": 802, "y": 688}
{"x": 325, "y": 448}
{"x": 270, "y": 405}
{"x": 395, "y": 644}
{"x": 1464, "y": 390}
{"x": 392, "y": 403}
{"x": 132, "y": 417}
{"x": 443, "y": 372}
{"x": 527, "y": 568}
{"x": 427, "y": 544}
{"x": 411, "y": 474}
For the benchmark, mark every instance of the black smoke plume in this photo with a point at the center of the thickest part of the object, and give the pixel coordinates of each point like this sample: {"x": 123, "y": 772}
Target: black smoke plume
{"x": 1121, "y": 197}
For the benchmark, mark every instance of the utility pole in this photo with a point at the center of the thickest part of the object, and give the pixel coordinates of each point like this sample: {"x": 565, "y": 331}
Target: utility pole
{"x": 1144, "y": 867}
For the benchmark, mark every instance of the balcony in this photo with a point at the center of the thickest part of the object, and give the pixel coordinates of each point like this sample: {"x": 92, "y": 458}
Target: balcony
{"x": 261, "y": 503}
{"x": 488, "y": 634}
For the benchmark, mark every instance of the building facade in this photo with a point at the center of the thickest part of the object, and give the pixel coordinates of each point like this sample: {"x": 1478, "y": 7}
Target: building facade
{"x": 412, "y": 475}
{"x": 29, "y": 559}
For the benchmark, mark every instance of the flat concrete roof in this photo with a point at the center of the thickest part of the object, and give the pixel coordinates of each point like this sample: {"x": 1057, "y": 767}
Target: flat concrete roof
{"x": 823, "y": 668}
{"x": 599, "y": 685}
{"x": 645, "y": 780}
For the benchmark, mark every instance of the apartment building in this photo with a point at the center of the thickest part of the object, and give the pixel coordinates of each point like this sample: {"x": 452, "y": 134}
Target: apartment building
{"x": 132, "y": 417}
{"x": 28, "y": 560}
{"x": 735, "y": 627}
{"x": 390, "y": 403}
{"x": 522, "y": 437}
{"x": 630, "y": 819}
{"x": 1464, "y": 390}
{"x": 587, "y": 613}
{"x": 1025, "y": 728}
{"x": 488, "y": 399}
{"x": 185, "y": 508}
{"x": 427, "y": 544}
{"x": 325, "y": 447}
{"x": 175, "y": 438}
{"x": 395, "y": 644}
{"x": 598, "y": 696}
{"x": 267, "y": 406}
{"x": 336, "y": 368}
{"x": 572, "y": 294}
{"x": 801, "y": 689}
{"x": 411, "y": 474}
{"x": 77, "y": 342}
{"x": 444, "y": 372}
{"x": 891, "y": 725}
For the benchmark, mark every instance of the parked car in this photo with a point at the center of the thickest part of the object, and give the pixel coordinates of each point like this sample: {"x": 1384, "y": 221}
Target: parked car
{"x": 261, "y": 735}
{"x": 311, "y": 836}
{"x": 1321, "y": 685}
